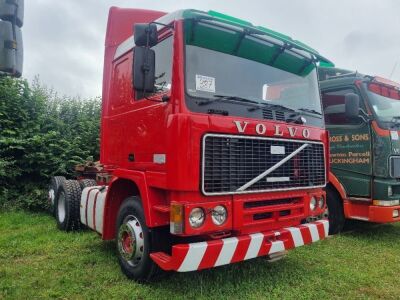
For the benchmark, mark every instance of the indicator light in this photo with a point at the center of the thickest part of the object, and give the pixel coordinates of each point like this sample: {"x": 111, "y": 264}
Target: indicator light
{"x": 176, "y": 219}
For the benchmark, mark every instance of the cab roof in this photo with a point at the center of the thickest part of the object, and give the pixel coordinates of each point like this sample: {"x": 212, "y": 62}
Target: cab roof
{"x": 330, "y": 77}
{"x": 244, "y": 26}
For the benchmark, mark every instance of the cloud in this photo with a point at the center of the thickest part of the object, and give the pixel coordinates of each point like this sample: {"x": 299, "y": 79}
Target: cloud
{"x": 64, "y": 40}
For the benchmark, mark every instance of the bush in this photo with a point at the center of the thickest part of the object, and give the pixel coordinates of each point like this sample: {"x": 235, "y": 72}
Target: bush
{"x": 41, "y": 134}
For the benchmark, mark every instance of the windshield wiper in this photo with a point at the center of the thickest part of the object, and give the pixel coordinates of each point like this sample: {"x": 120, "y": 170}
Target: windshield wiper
{"x": 312, "y": 111}
{"x": 227, "y": 97}
{"x": 295, "y": 116}
{"x": 271, "y": 106}
{"x": 298, "y": 118}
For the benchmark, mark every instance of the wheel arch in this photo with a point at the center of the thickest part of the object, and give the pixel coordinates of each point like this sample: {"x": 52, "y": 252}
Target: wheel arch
{"x": 335, "y": 184}
{"x": 120, "y": 188}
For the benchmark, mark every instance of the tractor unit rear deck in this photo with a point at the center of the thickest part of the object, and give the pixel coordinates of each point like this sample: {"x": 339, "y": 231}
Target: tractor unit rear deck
{"x": 213, "y": 146}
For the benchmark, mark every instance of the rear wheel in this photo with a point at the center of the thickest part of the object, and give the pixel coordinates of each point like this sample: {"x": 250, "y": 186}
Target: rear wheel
{"x": 68, "y": 206}
{"x": 134, "y": 242}
{"x": 54, "y": 185}
{"x": 334, "y": 211}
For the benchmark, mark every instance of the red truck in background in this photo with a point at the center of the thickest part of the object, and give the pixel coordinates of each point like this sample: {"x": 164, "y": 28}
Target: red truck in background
{"x": 213, "y": 146}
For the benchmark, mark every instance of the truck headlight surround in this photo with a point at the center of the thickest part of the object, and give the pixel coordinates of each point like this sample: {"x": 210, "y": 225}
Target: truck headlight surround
{"x": 313, "y": 203}
{"x": 219, "y": 215}
{"x": 197, "y": 217}
{"x": 321, "y": 202}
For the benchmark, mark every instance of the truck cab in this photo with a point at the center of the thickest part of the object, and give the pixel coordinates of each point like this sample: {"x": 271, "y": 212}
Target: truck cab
{"x": 364, "y": 145}
{"x": 213, "y": 143}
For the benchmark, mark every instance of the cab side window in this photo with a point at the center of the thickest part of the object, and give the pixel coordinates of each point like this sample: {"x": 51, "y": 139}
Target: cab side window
{"x": 163, "y": 74}
{"x": 334, "y": 104}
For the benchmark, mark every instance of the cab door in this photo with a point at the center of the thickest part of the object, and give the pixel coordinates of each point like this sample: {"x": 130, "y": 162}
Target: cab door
{"x": 350, "y": 144}
{"x": 135, "y": 123}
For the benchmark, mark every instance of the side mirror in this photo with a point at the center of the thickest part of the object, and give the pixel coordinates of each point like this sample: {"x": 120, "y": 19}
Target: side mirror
{"x": 145, "y": 35}
{"x": 11, "y": 50}
{"x": 144, "y": 66}
{"x": 144, "y": 58}
{"x": 12, "y": 9}
{"x": 352, "y": 103}
{"x": 11, "y": 47}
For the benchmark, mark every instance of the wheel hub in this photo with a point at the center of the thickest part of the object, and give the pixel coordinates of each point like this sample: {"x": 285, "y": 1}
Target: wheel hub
{"x": 130, "y": 241}
{"x": 51, "y": 196}
{"x": 61, "y": 207}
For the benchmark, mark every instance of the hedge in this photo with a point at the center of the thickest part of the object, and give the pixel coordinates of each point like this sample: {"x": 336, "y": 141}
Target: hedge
{"x": 41, "y": 134}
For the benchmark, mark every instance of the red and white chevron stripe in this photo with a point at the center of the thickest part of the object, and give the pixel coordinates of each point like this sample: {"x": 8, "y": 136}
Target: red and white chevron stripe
{"x": 209, "y": 254}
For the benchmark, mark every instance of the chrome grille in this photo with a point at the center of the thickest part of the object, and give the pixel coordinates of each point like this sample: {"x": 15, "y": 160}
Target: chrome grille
{"x": 395, "y": 167}
{"x": 230, "y": 161}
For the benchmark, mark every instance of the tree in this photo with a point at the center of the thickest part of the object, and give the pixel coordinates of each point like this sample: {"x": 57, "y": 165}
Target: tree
{"x": 41, "y": 134}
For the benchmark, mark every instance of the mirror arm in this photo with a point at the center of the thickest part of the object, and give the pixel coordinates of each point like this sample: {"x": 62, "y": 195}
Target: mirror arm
{"x": 165, "y": 25}
{"x": 145, "y": 66}
{"x": 364, "y": 116}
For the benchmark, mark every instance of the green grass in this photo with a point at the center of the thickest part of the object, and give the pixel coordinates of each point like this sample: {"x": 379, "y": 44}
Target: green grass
{"x": 38, "y": 261}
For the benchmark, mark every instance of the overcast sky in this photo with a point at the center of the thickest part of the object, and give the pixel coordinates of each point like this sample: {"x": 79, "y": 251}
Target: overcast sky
{"x": 63, "y": 39}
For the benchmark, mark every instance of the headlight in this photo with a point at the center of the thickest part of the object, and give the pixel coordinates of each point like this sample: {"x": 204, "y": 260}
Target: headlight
{"x": 321, "y": 202}
{"x": 219, "y": 215}
{"x": 386, "y": 202}
{"x": 196, "y": 217}
{"x": 313, "y": 203}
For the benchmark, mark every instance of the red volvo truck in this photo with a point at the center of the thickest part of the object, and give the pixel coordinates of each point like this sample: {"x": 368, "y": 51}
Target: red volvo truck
{"x": 213, "y": 146}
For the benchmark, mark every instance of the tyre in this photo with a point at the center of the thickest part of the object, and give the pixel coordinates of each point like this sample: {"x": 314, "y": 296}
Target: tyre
{"x": 335, "y": 211}
{"x": 134, "y": 242}
{"x": 87, "y": 182}
{"x": 54, "y": 185}
{"x": 68, "y": 205}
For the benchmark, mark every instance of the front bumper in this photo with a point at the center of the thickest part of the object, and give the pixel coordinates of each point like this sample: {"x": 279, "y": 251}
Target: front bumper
{"x": 382, "y": 214}
{"x": 214, "y": 253}
{"x": 371, "y": 213}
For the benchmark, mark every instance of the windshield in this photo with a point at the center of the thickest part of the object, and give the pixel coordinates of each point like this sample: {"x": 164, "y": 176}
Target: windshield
{"x": 243, "y": 75}
{"x": 210, "y": 73}
{"x": 385, "y": 102}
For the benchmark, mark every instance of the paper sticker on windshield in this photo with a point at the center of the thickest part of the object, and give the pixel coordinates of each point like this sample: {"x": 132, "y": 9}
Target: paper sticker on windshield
{"x": 205, "y": 83}
{"x": 394, "y": 135}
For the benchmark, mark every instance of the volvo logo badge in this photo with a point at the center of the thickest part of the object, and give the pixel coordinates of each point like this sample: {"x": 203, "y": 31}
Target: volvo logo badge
{"x": 276, "y": 130}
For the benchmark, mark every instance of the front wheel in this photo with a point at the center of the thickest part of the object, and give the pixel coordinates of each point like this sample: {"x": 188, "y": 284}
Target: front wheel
{"x": 334, "y": 211}
{"x": 134, "y": 242}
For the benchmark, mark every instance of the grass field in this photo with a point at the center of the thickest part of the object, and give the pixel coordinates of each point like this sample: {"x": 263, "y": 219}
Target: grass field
{"x": 38, "y": 261}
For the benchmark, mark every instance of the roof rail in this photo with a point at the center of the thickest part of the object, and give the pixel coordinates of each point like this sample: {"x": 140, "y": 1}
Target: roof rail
{"x": 334, "y": 73}
{"x": 352, "y": 74}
